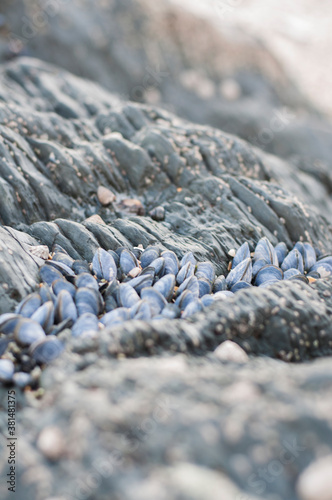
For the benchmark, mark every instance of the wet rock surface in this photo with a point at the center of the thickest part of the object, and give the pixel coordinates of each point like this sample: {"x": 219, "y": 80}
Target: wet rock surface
{"x": 177, "y": 419}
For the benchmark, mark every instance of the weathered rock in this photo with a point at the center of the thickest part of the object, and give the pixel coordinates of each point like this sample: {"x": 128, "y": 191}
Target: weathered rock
{"x": 217, "y": 191}
{"x": 160, "y": 54}
{"x": 159, "y": 426}
{"x": 18, "y": 267}
{"x": 140, "y": 428}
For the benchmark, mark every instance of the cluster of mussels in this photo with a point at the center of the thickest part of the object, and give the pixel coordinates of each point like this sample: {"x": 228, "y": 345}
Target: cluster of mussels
{"x": 139, "y": 284}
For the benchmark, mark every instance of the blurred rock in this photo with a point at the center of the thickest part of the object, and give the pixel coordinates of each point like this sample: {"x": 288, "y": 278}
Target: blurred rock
{"x": 142, "y": 428}
{"x": 51, "y": 443}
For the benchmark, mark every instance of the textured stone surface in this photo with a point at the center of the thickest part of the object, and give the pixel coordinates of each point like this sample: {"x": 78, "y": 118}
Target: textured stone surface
{"x": 19, "y": 267}
{"x": 147, "y": 410}
{"x": 217, "y": 191}
{"x": 159, "y": 54}
{"x": 166, "y": 427}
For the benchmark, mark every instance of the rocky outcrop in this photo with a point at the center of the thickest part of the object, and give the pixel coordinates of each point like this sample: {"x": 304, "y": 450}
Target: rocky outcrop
{"x": 216, "y": 190}
{"x": 162, "y": 55}
{"x": 149, "y": 410}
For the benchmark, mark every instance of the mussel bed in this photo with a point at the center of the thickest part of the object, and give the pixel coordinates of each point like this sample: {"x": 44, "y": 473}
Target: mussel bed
{"x": 134, "y": 284}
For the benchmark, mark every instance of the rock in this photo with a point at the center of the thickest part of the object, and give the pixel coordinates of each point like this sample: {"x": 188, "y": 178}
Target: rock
{"x": 81, "y": 239}
{"x": 116, "y": 415}
{"x": 222, "y": 166}
{"x": 135, "y": 163}
{"x": 230, "y": 351}
{"x": 170, "y": 427}
{"x": 246, "y": 93}
{"x": 18, "y": 269}
{"x": 216, "y": 189}
{"x": 105, "y": 196}
{"x": 157, "y": 213}
{"x": 187, "y": 480}
{"x": 316, "y": 481}
{"x": 51, "y": 443}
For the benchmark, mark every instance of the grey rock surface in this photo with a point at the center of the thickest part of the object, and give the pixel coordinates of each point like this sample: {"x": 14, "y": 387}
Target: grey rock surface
{"x": 171, "y": 427}
{"x": 160, "y": 54}
{"x": 18, "y": 269}
{"x": 148, "y": 411}
{"x": 217, "y": 191}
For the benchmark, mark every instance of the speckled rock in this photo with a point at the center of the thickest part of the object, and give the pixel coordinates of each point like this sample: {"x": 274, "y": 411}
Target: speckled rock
{"x": 162, "y": 427}
{"x": 163, "y": 55}
{"x": 146, "y": 410}
{"x": 217, "y": 191}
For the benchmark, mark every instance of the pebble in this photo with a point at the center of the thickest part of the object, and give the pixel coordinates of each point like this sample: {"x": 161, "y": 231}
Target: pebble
{"x": 95, "y": 219}
{"x": 6, "y": 370}
{"x": 133, "y": 206}
{"x": 230, "y": 351}
{"x": 315, "y": 482}
{"x": 105, "y": 196}
{"x": 158, "y": 213}
{"x": 51, "y": 443}
{"x": 198, "y": 482}
{"x": 134, "y": 272}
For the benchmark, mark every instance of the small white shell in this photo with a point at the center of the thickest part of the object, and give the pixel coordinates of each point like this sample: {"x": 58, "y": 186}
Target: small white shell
{"x": 40, "y": 251}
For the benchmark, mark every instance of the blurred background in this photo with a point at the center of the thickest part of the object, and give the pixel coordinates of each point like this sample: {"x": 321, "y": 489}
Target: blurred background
{"x": 298, "y": 33}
